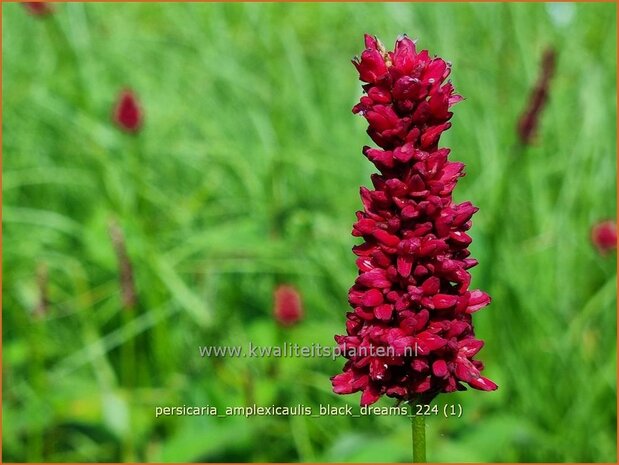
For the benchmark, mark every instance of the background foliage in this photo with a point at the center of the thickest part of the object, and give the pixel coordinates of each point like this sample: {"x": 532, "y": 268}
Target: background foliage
{"x": 245, "y": 175}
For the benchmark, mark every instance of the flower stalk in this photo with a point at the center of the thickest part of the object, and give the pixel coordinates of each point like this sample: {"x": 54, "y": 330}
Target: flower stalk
{"x": 125, "y": 268}
{"x": 42, "y": 306}
{"x": 418, "y": 423}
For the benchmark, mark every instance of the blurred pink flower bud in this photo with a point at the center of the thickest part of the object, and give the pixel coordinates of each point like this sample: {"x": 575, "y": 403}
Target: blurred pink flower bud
{"x": 38, "y": 8}
{"x": 288, "y": 309}
{"x": 127, "y": 112}
{"x": 604, "y": 236}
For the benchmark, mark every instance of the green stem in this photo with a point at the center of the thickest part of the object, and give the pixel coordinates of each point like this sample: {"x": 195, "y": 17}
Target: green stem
{"x": 418, "y": 423}
{"x": 128, "y": 363}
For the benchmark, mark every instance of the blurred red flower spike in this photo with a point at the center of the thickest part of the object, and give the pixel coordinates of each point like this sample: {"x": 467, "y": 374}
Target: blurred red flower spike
{"x": 604, "y": 237}
{"x": 127, "y": 112}
{"x": 38, "y": 8}
{"x": 287, "y": 309}
{"x": 530, "y": 118}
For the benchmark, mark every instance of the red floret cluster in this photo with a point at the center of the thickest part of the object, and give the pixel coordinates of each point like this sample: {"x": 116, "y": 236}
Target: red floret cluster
{"x": 410, "y": 335}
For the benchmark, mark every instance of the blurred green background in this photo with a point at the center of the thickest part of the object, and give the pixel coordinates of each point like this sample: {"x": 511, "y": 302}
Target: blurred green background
{"x": 246, "y": 175}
